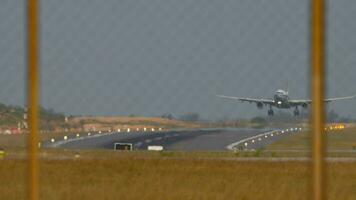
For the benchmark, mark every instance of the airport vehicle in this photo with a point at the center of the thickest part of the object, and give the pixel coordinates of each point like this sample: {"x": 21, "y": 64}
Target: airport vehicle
{"x": 281, "y": 100}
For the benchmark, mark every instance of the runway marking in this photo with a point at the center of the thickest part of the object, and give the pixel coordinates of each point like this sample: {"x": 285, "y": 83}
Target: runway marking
{"x": 97, "y": 135}
{"x": 244, "y": 141}
{"x": 232, "y": 146}
{"x": 158, "y": 138}
{"x": 69, "y": 140}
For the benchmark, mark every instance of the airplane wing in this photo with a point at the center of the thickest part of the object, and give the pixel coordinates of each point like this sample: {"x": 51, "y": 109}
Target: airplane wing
{"x": 303, "y": 102}
{"x": 339, "y": 98}
{"x": 250, "y": 100}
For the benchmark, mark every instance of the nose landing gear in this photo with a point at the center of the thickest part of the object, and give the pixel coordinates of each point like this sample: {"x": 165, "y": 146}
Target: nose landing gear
{"x": 296, "y": 111}
{"x": 270, "y": 111}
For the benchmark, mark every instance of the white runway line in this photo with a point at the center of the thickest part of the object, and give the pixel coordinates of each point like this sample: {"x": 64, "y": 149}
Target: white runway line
{"x": 69, "y": 140}
{"x": 244, "y": 141}
{"x": 270, "y": 133}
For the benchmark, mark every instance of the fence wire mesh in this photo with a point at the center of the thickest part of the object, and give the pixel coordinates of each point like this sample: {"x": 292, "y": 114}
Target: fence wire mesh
{"x": 152, "y": 57}
{"x": 155, "y": 57}
{"x": 169, "y": 59}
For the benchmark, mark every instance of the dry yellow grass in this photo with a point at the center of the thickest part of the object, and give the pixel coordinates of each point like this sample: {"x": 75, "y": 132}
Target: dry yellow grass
{"x": 19, "y": 141}
{"x": 344, "y": 139}
{"x": 151, "y": 176}
{"x": 116, "y": 122}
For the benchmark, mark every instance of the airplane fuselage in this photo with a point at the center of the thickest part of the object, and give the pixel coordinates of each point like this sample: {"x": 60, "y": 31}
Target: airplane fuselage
{"x": 281, "y": 99}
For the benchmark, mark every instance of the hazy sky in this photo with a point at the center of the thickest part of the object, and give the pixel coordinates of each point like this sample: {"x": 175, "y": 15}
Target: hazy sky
{"x": 149, "y": 57}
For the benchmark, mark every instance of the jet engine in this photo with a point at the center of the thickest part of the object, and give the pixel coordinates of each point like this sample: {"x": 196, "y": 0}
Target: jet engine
{"x": 305, "y": 105}
{"x": 259, "y": 105}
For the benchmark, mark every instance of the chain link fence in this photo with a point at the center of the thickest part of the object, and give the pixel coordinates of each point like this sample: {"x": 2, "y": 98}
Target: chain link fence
{"x": 156, "y": 58}
{"x": 150, "y": 58}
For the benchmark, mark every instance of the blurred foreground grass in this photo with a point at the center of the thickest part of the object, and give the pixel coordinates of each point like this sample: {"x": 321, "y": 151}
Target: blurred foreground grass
{"x": 146, "y": 175}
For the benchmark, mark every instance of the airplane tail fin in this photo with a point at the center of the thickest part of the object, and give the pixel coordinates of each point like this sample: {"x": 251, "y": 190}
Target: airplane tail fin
{"x": 287, "y": 87}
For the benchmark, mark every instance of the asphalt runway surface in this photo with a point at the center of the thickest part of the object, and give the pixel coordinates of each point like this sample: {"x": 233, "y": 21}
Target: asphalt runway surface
{"x": 182, "y": 140}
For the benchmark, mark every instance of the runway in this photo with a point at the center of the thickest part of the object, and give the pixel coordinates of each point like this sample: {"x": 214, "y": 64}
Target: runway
{"x": 178, "y": 140}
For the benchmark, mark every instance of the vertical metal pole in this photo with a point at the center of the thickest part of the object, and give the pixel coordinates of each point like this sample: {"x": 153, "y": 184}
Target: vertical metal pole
{"x": 32, "y": 96}
{"x": 317, "y": 81}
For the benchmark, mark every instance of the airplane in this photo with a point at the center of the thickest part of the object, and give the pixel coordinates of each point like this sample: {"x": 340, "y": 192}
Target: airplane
{"x": 281, "y": 100}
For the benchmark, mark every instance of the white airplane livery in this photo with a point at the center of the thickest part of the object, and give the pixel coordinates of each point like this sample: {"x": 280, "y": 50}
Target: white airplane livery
{"x": 281, "y": 100}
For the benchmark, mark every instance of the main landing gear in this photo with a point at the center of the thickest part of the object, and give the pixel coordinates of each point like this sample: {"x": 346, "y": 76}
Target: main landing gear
{"x": 296, "y": 111}
{"x": 270, "y": 111}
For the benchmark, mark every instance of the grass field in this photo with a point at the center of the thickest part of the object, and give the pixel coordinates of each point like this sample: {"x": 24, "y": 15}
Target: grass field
{"x": 336, "y": 140}
{"x": 124, "y": 122}
{"x": 19, "y": 141}
{"x": 145, "y": 175}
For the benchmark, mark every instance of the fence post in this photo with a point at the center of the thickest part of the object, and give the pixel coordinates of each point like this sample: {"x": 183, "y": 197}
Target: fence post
{"x": 32, "y": 97}
{"x": 317, "y": 83}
